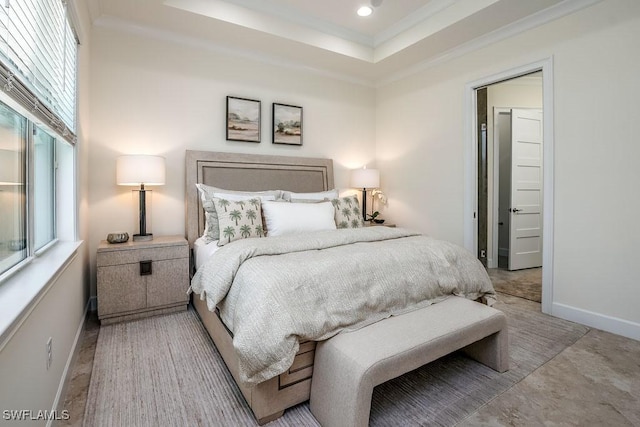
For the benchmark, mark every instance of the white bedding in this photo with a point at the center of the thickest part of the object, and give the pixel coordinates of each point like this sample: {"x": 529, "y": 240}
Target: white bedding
{"x": 203, "y": 250}
{"x": 287, "y": 289}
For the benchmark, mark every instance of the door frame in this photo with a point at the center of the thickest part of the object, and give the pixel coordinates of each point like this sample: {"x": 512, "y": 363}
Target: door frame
{"x": 471, "y": 157}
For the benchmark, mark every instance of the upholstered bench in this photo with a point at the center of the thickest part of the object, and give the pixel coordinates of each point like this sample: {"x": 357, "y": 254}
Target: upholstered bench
{"x": 348, "y": 366}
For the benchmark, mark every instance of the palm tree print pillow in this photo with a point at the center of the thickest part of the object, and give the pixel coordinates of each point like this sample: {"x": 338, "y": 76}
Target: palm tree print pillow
{"x": 240, "y": 219}
{"x": 348, "y": 213}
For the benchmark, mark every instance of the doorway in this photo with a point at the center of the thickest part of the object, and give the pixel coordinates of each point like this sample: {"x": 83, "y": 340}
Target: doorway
{"x": 542, "y": 71}
{"x": 510, "y": 168}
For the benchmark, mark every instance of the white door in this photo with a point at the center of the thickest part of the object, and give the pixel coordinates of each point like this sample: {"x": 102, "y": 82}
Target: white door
{"x": 525, "y": 232}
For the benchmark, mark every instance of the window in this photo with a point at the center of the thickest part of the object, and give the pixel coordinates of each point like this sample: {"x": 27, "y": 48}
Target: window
{"x": 28, "y": 186}
{"x": 38, "y": 45}
{"x": 13, "y": 230}
{"x": 43, "y": 188}
{"x": 38, "y": 50}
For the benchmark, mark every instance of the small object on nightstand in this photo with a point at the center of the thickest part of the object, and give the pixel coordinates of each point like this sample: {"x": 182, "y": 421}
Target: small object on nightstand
{"x": 117, "y": 237}
{"x": 379, "y": 221}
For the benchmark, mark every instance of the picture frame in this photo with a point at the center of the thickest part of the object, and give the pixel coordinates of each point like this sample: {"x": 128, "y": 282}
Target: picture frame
{"x": 287, "y": 124}
{"x": 243, "y": 119}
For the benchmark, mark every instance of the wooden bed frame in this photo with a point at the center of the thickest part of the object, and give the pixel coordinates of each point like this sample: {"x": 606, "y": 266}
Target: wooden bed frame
{"x": 250, "y": 172}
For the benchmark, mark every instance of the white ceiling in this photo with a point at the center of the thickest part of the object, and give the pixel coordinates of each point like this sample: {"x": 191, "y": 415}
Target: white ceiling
{"x": 326, "y": 35}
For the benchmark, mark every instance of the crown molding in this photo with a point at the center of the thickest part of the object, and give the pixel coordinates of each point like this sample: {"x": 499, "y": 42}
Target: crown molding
{"x": 425, "y": 12}
{"x": 121, "y": 25}
{"x": 540, "y": 18}
{"x": 321, "y": 25}
{"x": 269, "y": 23}
{"x": 557, "y": 11}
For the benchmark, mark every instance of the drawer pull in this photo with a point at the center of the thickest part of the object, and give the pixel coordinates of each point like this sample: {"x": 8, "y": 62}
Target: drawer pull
{"x": 145, "y": 268}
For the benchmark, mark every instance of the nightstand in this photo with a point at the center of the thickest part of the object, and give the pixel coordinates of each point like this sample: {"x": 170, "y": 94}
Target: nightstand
{"x": 139, "y": 279}
{"x": 373, "y": 224}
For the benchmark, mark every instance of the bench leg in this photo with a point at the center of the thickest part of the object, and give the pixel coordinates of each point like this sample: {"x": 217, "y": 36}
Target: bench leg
{"x": 269, "y": 418}
{"x": 340, "y": 392}
{"x": 492, "y": 351}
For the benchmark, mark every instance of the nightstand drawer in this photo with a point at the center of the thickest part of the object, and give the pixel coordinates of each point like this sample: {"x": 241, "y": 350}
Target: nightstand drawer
{"x": 124, "y": 256}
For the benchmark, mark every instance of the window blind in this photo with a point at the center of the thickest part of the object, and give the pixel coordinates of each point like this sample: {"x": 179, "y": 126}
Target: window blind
{"x": 38, "y": 50}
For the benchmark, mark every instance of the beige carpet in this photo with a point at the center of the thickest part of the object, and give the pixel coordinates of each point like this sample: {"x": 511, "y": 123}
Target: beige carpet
{"x": 166, "y": 371}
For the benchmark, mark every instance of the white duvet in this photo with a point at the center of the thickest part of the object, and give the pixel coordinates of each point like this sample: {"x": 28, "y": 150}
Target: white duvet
{"x": 274, "y": 292}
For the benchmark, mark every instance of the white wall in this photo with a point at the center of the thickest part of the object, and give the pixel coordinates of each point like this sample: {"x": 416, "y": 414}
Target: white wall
{"x": 27, "y": 384}
{"x": 159, "y": 97}
{"x": 420, "y": 139}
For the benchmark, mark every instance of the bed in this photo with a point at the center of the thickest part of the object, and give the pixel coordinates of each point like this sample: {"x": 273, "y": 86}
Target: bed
{"x": 244, "y": 172}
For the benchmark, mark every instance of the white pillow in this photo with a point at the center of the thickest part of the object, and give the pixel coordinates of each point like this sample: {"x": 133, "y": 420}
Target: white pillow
{"x": 290, "y": 218}
{"x": 320, "y": 195}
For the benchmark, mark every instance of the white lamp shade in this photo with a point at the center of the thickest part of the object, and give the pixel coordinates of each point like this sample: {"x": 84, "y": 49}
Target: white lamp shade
{"x": 365, "y": 178}
{"x": 140, "y": 169}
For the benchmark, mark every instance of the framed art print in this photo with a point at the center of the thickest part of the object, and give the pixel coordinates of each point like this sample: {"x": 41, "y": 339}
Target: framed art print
{"x": 243, "y": 119}
{"x": 287, "y": 124}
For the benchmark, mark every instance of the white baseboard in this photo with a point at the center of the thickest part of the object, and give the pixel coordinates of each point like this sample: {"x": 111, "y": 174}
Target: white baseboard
{"x": 65, "y": 380}
{"x": 611, "y": 324}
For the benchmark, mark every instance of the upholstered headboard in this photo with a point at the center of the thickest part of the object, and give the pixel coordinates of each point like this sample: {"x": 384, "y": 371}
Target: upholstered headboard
{"x": 249, "y": 172}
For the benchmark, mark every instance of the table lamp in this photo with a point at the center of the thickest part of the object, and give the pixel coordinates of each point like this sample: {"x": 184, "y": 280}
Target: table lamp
{"x": 366, "y": 179}
{"x": 141, "y": 170}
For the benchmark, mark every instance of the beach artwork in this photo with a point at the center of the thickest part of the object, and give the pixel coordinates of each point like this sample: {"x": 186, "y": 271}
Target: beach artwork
{"x": 287, "y": 124}
{"x": 243, "y": 119}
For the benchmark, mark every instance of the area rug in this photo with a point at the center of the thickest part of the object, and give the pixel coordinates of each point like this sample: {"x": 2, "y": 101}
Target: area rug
{"x": 166, "y": 371}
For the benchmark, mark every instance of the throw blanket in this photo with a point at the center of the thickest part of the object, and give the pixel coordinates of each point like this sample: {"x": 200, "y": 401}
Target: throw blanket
{"x": 293, "y": 288}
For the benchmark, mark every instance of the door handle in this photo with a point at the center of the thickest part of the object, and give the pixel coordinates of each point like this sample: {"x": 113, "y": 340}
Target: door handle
{"x": 514, "y": 210}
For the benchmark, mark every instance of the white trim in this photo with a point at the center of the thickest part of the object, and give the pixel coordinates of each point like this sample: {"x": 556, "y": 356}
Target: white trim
{"x": 470, "y": 224}
{"x": 537, "y": 19}
{"x": 545, "y": 16}
{"x": 611, "y": 324}
{"x": 65, "y": 379}
{"x": 130, "y": 27}
{"x": 417, "y": 17}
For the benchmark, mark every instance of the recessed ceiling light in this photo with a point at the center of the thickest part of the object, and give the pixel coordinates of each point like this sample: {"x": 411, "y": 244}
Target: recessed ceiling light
{"x": 365, "y": 11}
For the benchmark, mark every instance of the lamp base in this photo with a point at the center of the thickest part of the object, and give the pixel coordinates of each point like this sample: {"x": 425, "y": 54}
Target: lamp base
{"x": 142, "y": 237}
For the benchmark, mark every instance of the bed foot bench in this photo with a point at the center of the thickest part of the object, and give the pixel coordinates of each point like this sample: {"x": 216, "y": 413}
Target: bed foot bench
{"x": 348, "y": 366}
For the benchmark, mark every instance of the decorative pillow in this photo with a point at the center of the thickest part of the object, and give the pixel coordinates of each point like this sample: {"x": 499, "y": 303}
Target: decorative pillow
{"x": 239, "y": 219}
{"x": 207, "y": 193}
{"x": 348, "y": 213}
{"x": 290, "y": 196}
{"x": 290, "y": 218}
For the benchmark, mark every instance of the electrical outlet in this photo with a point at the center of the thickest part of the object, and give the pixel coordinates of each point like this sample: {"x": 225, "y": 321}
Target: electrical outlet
{"x": 483, "y": 253}
{"x": 49, "y": 352}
